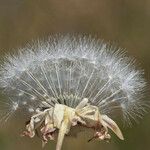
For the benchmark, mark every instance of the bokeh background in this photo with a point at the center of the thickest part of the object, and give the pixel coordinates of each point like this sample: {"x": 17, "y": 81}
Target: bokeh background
{"x": 123, "y": 22}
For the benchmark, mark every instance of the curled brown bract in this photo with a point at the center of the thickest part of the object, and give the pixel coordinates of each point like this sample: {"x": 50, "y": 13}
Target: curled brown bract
{"x": 61, "y": 118}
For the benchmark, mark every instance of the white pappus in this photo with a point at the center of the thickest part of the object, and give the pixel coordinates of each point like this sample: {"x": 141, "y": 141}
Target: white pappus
{"x": 70, "y": 81}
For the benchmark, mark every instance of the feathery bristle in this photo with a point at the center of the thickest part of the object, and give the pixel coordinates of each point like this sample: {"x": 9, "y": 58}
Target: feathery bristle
{"x": 66, "y": 69}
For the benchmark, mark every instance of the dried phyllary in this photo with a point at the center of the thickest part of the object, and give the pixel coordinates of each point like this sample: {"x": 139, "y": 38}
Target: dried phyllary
{"x": 69, "y": 82}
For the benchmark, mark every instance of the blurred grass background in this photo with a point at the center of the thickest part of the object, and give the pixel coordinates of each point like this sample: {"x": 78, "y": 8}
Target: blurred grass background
{"x": 124, "y": 22}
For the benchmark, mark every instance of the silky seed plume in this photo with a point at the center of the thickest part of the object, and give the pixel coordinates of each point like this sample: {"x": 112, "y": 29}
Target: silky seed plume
{"x": 70, "y": 74}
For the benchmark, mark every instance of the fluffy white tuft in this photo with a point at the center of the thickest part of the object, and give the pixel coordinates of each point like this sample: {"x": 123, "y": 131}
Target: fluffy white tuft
{"x": 66, "y": 69}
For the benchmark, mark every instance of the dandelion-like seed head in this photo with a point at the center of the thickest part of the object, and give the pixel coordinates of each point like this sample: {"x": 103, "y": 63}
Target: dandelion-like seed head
{"x": 69, "y": 81}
